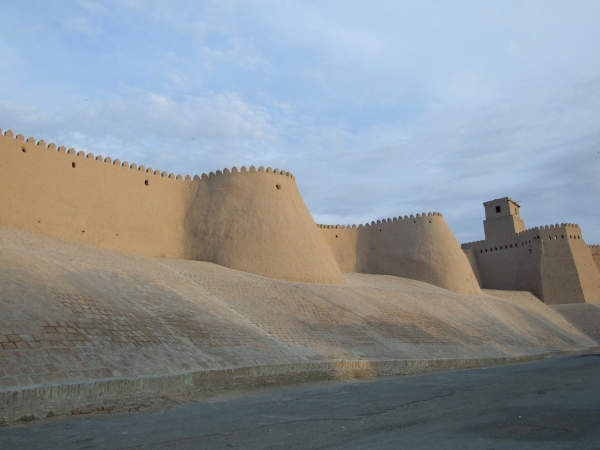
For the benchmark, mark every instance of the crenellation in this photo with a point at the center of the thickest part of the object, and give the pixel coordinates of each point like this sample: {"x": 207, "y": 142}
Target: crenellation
{"x": 134, "y": 166}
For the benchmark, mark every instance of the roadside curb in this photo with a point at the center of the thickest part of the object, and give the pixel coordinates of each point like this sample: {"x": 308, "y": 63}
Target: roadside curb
{"x": 131, "y": 394}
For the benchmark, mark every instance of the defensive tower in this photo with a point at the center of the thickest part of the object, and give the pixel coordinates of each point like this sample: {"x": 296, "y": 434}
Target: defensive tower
{"x": 553, "y": 262}
{"x": 502, "y": 217}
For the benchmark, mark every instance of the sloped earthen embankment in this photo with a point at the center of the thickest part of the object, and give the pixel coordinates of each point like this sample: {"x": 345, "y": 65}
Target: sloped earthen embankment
{"x": 84, "y": 328}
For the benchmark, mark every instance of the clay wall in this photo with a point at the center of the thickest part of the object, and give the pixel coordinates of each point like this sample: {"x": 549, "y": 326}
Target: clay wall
{"x": 502, "y": 217}
{"x": 420, "y": 247}
{"x": 552, "y": 261}
{"x": 470, "y": 254}
{"x": 250, "y": 220}
{"x": 499, "y": 260}
{"x": 595, "y": 252}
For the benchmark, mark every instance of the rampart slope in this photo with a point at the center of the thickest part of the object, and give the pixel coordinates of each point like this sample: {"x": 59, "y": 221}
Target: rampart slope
{"x": 420, "y": 247}
{"x": 251, "y": 220}
{"x": 83, "y": 327}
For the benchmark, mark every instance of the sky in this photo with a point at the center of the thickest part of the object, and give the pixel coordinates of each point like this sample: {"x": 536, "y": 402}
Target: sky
{"x": 379, "y": 108}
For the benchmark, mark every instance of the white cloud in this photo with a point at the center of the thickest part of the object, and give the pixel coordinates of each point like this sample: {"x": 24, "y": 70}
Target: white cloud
{"x": 380, "y": 109}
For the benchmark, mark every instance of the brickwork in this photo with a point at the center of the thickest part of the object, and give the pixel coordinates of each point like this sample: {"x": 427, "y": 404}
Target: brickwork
{"x": 586, "y": 317}
{"x": 72, "y": 312}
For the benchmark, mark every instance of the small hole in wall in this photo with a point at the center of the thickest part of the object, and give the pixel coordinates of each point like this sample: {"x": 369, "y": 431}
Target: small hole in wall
{"x": 83, "y": 231}
{"x": 414, "y": 221}
{"x": 430, "y": 221}
{"x": 23, "y": 149}
{"x": 379, "y": 230}
{"x": 73, "y": 165}
{"x": 336, "y": 236}
{"x": 278, "y": 186}
{"x": 146, "y": 182}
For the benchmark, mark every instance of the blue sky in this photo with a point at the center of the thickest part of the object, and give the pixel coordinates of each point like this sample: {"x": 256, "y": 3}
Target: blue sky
{"x": 380, "y": 108}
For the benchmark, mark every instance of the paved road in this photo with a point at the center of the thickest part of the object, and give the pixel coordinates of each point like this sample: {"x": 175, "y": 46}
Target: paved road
{"x": 552, "y": 404}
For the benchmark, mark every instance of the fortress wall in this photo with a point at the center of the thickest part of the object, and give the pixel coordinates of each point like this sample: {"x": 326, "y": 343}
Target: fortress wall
{"x": 265, "y": 228}
{"x": 421, "y": 248}
{"x": 253, "y": 221}
{"x": 595, "y": 252}
{"x": 470, "y": 254}
{"x": 499, "y": 260}
{"x": 552, "y": 261}
{"x": 97, "y": 202}
{"x": 561, "y": 280}
{"x": 586, "y": 268}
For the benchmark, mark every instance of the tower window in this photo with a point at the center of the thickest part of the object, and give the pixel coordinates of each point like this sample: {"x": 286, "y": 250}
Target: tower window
{"x": 497, "y": 209}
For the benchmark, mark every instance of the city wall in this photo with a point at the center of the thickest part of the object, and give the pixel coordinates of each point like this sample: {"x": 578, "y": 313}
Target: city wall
{"x": 595, "y": 251}
{"x": 248, "y": 219}
{"x": 552, "y": 261}
{"x": 420, "y": 247}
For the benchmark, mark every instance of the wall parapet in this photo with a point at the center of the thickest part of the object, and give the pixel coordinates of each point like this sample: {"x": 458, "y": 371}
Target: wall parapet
{"x": 569, "y": 231}
{"x": 381, "y": 221}
{"x": 141, "y": 168}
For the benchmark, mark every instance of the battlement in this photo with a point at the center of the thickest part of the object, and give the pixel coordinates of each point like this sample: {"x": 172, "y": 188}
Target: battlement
{"x": 140, "y": 168}
{"x": 523, "y": 237}
{"x": 383, "y": 221}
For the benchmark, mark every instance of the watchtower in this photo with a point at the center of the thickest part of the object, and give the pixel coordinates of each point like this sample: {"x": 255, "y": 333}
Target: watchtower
{"x": 502, "y": 217}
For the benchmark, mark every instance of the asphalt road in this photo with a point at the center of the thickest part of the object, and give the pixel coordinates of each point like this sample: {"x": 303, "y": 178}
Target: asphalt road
{"x": 552, "y": 404}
